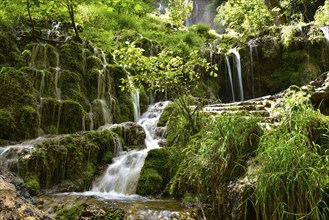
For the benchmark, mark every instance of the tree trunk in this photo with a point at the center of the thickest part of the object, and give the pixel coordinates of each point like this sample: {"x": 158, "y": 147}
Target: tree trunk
{"x": 70, "y": 9}
{"x": 28, "y": 6}
{"x": 278, "y": 17}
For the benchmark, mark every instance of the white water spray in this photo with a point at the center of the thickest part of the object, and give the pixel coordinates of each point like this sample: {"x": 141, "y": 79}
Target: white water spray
{"x": 239, "y": 71}
{"x": 230, "y": 76}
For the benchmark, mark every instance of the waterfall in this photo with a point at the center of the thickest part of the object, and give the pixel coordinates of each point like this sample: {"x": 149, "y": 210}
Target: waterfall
{"x": 239, "y": 71}
{"x": 229, "y": 71}
{"x": 42, "y": 83}
{"x": 135, "y": 99}
{"x": 57, "y": 76}
{"x": 325, "y": 31}
{"x": 101, "y": 88}
{"x": 120, "y": 178}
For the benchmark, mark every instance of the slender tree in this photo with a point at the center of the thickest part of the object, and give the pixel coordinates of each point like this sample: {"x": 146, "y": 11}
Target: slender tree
{"x": 69, "y": 4}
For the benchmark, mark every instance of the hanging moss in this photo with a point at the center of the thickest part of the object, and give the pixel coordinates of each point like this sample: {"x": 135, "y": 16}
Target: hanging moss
{"x": 72, "y": 88}
{"x": 61, "y": 117}
{"x": 41, "y": 56}
{"x": 7, "y": 124}
{"x": 68, "y": 162}
{"x": 71, "y": 56}
{"x": 18, "y": 109}
{"x": 91, "y": 83}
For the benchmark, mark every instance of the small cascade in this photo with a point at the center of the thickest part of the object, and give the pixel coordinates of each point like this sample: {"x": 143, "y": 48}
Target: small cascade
{"x": 57, "y": 76}
{"x": 9, "y": 154}
{"x": 135, "y": 99}
{"x": 101, "y": 88}
{"x": 120, "y": 178}
{"x": 42, "y": 83}
{"x": 239, "y": 71}
{"x": 54, "y": 31}
{"x": 38, "y": 58}
{"x": 325, "y": 31}
{"x": 229, "y": 71}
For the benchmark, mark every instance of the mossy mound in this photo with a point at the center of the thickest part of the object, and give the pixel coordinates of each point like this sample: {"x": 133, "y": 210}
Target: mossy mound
{"x": 155, "y": 173}
{"x": 131, "y": 133}
{"x": 88, "y": 211}
{"x": 61, "y": 117}
{"x": 68, "y": 162}
{"x": 19, "y": 117}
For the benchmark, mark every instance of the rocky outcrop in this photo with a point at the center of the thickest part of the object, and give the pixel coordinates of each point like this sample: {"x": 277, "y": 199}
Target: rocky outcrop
{"x": 15, "y": 201}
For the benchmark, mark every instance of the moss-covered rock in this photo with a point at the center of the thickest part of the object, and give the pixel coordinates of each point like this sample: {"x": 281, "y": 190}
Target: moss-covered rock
{"x": 155, "y": 173}
{"x": 131, "y": 133}
{"x": 89, "y": 211}
{"x": 68, "y": 162}
{"x": 71, "y": 57}
{"x": 167, "y": 112}
{"x": 18, "y": 105}
{"x": 61, "y": 117}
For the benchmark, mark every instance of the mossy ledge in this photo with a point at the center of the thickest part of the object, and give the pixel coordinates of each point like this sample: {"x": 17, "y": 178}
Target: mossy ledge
{"x": 67, "y": 162}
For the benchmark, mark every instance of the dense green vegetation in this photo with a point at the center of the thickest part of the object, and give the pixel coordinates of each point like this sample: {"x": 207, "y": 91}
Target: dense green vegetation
{"x": 69, "y": 65}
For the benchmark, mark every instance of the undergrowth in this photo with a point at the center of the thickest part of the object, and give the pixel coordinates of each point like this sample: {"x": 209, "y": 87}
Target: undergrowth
{"x": 293, "y": 179}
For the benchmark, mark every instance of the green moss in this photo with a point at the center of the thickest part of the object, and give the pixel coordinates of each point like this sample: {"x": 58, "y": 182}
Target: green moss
{"x": 66, "y": 116}
{"x": 32, "y": 185}
{"x": 71, "y": 57}
{"x": 149, "y": 183}
{"x": 68, "y": 162}
{"x": 29, "y": 122}
{"x": 18, "y": 104}
{"x": 93, "y": 62}
{"x": 72, "y": 87}
{"x": 124, "y": 110}
{"x": 7, "y": 124}
{"x": 42, "y": 56}
{"x": 167, "y": 112}
{"x": 91, "y": 83}
{"x": 71, "y": 213}
{"x": 155, "y": 173}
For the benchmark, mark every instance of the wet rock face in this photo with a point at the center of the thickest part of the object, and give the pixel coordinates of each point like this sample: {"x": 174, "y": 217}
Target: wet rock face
{"x": 15, "y": 201}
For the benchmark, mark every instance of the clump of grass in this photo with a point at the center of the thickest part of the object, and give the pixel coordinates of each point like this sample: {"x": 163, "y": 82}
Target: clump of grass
{"x": 293, "y": 179}
{"x": 213, "y": 157}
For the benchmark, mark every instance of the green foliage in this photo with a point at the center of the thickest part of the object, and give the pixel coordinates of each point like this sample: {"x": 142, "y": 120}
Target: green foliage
{"x": 243, "y": 16}
{"x": 214, "y": 157}
{"x": 322, "y": 15}
{"x": 179, "y": 11}
{"x": 293, "y": 159}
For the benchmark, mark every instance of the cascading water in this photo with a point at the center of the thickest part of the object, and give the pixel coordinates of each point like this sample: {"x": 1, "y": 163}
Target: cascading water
{"x": 9, "y": 154}
{"x": 120, "y": 178}
{"x": 239, "y": 71}
{"x": 135, "y": 99}
{"x": 229, "y": 71}
{"x": 101, "y": 98}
